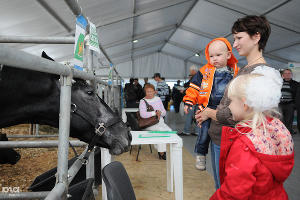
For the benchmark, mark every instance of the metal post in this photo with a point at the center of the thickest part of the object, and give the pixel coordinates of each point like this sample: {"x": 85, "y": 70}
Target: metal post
{"x": 58, "y": 192}
{"x": 30, "y": 136}
{"x": 37, "y": 144}
{"x": 36, "y": 40}
{"x": 112, "y": 95}
{"x": 30, "y": 129}
{"x": 64, "y": 129}
{"x": 74, "y": 6}
{"x": 37, "y": 127}
{"x": 23, "y": 60}
{"x": 23, "y": 195}
{"x": 76, "y": 167}
{"x": 90, "y": 173}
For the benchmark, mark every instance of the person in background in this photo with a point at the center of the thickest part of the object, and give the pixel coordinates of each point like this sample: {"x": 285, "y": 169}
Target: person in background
{"x": 139, "y": 89}
{"x": 159, "y": 111}
{"x": 162, "y": 89}
{"x": 287, "y": 101}
{"x": 168, "y": 97}
{"x": 191, "y": 112}
{"x": 297, "y": 104}
{"x": 177, "y": 96}
{"x": 257, "y": 155}
{"x": 130, "y": 94}
{"x": 207, "y": 88}
{"x": 145, "y": 82}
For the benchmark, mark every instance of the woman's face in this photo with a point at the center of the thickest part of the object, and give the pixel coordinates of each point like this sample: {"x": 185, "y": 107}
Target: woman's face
{"x": 244, "y": 43}
{"x": 149, "y": 93}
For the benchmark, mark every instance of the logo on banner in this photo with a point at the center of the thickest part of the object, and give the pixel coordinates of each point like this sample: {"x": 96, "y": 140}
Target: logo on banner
{"x": 79, "y": 48}
{"x": 93, "y": 40}
{"x": 81, "y": 24}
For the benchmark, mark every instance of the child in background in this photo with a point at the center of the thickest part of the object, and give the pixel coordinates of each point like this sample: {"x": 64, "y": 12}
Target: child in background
{"x": 257, "y": 156}
{"x": 207, "y": 88}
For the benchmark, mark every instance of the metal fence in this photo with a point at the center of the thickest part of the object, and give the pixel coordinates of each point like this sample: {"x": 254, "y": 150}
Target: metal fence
{"x": 111, "y": 93}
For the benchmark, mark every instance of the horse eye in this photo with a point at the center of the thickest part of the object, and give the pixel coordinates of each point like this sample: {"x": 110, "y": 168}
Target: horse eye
{"x": 90, "y": 92}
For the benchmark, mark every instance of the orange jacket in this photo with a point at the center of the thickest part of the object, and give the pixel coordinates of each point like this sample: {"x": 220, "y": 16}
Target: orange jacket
{"x": 200, "y": 87}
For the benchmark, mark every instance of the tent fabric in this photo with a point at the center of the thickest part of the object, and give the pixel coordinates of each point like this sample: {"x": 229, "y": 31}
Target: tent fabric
{"x": 168, "y": 33}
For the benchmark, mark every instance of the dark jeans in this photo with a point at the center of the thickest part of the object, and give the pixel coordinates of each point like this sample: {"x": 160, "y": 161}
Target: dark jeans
{"x": 287, "y": 111}
{"x": 215, "y": 158}
{"x": 203, "y": 139}
{"x": 165, "y": 103}
{"x": 177, "y": 105}
{"x": 298, "y": 119}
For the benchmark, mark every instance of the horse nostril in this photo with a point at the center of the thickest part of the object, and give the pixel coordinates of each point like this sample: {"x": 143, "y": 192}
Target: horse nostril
{"x": 18, "y": 157}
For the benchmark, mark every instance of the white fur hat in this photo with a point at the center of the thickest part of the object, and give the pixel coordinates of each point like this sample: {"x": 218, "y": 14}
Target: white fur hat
{"x": 264, "y": 92}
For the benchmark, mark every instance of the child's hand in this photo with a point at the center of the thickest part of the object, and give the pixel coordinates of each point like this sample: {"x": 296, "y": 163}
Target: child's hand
{"x": 186, "y": 108}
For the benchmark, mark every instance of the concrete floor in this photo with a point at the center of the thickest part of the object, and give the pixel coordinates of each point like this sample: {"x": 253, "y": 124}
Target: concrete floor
{"x": 176, "y": 122}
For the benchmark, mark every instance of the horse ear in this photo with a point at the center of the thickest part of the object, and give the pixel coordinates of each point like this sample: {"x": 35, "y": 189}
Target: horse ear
{"x": 44, "y": 55}
{"x": 79, "y": 80}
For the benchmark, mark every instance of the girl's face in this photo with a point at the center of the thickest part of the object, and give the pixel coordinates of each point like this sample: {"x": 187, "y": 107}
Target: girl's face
{"x": 150, "y": 93}
{"x": 244, "y": 43}
{"x": 238, "y": 109}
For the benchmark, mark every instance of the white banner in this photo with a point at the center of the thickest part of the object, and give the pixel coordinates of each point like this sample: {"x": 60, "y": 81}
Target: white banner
{"x": 93, "y": 40}
{"x": 81, "y": 24}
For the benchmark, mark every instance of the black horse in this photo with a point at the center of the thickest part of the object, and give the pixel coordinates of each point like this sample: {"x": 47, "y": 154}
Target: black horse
{"x": 8, "y": 155}
{"x": 33, "y": 97}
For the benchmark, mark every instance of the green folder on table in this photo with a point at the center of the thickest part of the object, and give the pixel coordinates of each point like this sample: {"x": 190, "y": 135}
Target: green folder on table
{"x": 155, "y": 134}
{"x": 163, "y": 132}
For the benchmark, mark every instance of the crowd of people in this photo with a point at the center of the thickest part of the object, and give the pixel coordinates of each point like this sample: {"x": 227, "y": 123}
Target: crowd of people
{"x": 245, "y": 115}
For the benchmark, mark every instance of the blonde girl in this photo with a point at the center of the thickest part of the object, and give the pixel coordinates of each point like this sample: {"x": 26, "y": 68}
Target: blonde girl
{"x": 257, "y": 155}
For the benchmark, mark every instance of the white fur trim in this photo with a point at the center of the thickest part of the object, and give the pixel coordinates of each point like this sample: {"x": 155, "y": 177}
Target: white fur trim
{"x": 264, "y": 92}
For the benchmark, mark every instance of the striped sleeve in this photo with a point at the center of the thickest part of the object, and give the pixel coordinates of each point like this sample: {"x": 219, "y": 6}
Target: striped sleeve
{"x": 162, "y": 90}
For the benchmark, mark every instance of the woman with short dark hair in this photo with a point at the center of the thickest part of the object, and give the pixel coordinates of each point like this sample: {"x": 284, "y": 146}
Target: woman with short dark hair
{"x": 250, "y": 35}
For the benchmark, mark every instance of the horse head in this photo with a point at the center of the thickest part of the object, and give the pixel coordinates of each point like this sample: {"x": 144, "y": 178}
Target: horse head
{"x": 34, "y": 97}
{"x": 91, "y": 115}
{"x": 93, "y": 121}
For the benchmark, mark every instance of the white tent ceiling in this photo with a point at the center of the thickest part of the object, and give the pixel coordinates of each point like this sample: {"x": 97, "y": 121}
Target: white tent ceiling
{"x": 179, "y": 28}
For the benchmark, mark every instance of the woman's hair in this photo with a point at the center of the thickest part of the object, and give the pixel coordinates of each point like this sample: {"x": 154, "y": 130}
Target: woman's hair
{"x": 238, "y": 88}
{"x": 149, "y": 85}
{"x": 253, "y": 24}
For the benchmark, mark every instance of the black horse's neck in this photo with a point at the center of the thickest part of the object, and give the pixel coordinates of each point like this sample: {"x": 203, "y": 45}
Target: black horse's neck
{"x": 28, "y": 97}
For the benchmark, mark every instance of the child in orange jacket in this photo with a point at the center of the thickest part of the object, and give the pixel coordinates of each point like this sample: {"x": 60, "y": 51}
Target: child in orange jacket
{"x": 207, "y": 88}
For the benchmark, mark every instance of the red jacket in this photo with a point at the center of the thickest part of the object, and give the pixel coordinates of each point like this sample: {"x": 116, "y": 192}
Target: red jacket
{"x": 246, "y": 173}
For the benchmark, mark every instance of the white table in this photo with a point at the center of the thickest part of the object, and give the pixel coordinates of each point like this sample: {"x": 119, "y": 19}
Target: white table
{"x": 124, "y": 110}
{"x": 174, "y": 160}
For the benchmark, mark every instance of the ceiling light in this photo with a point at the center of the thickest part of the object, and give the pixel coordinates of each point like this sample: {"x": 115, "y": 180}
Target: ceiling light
{"x": 135, "y": 41}
{"x": 197, "y": 54}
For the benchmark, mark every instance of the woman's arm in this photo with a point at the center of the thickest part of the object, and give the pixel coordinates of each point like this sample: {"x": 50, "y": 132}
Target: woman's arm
{"x": 205, "y": 114}
{"x": 221, "y": 114}
{"x": 143, "y": 110}
{"x": 162, "y": 108}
